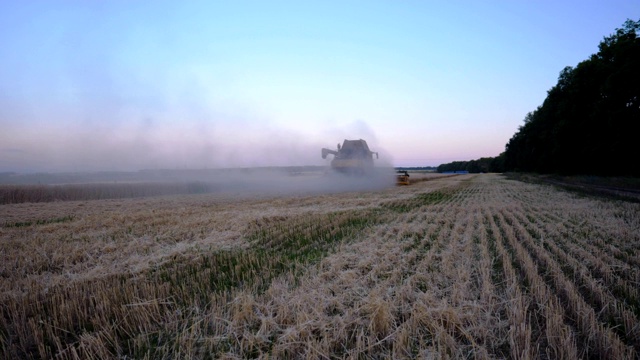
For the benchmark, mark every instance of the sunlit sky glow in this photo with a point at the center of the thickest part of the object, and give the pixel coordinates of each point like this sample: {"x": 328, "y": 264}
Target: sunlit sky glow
{"x": 128, "y": 85}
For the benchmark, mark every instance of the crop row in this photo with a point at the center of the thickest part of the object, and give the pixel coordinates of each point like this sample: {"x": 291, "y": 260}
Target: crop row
{"x": 470, "y": 266}
{"x": 109, "y": 312}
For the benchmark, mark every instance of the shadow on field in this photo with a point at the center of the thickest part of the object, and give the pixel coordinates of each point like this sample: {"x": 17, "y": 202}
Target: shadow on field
{"x": 615, "y": 188}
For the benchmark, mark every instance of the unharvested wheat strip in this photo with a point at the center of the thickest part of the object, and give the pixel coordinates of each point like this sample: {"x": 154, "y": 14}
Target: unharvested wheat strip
{"x": 605, "y": 341}
{"x": 558, "y": 336}
{"x": 520, "y": 332}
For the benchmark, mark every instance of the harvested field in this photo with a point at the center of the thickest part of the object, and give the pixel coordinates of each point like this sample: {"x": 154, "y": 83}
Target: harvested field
{"x": 468, "y": 266}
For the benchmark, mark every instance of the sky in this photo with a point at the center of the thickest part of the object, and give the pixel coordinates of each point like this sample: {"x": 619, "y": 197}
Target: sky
{"x": 129, "y": 85}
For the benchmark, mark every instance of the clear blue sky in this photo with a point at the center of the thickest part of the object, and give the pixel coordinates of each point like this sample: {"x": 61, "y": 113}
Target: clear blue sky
{"x": 126, "y": 85}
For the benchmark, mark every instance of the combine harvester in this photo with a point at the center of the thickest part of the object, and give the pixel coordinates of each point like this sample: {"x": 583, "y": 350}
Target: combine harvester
{"x": 352, "y": 158}
{"x": 355, "y": 158}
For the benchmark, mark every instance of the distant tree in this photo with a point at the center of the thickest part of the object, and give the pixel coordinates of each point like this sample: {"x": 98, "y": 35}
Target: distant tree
{"x": 497, "y": 164}
{"x": 588, "y": 121}
{"x": 485, "y": 164}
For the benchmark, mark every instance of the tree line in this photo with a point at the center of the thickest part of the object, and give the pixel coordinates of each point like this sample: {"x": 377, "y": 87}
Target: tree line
{"x": 482, "y": 165}
{"x": 587, "y": 123}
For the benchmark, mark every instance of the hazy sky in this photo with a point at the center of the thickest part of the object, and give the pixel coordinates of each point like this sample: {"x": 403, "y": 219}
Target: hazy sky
{"x": 128, "y": 85}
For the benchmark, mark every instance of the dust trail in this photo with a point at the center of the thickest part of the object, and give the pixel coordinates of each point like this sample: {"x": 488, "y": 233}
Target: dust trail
{"x": 231, "y": 183}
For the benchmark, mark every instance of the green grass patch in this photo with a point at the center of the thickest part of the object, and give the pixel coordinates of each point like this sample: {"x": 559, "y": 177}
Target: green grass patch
{"x": 19, "y": 224}
{"x": 424, "y": 199}
{"x": 278, "y": 245}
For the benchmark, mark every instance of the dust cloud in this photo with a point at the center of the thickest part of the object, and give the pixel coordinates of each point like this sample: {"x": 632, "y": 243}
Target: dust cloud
{"x": 234, "y": 182}
{"x": 234, "y": 156}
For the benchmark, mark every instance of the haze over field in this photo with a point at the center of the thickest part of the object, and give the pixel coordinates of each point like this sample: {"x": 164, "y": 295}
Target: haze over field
{"x": 104, "y": 86}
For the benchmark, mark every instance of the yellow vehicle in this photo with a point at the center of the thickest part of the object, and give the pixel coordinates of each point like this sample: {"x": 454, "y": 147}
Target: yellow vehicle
{"x": 353, "y": 157}
{"x": 402, "y": 178}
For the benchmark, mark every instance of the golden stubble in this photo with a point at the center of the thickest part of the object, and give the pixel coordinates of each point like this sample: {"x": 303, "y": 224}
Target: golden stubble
{"x": 463, "y": 266}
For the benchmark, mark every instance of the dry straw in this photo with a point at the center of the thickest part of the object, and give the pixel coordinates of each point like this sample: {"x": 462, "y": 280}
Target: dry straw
{"x": 456, "y": 267}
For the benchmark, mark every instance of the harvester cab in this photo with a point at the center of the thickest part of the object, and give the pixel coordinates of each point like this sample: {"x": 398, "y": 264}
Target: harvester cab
{"x": 353, "y": 157}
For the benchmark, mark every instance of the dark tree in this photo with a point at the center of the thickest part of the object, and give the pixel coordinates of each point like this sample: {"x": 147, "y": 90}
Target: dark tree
{"x": 587, "y": 124}
{"x": 486, "y": 164}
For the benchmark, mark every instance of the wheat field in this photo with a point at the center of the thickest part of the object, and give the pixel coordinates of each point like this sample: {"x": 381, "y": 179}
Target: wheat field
{"x": 468, "y": 266}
